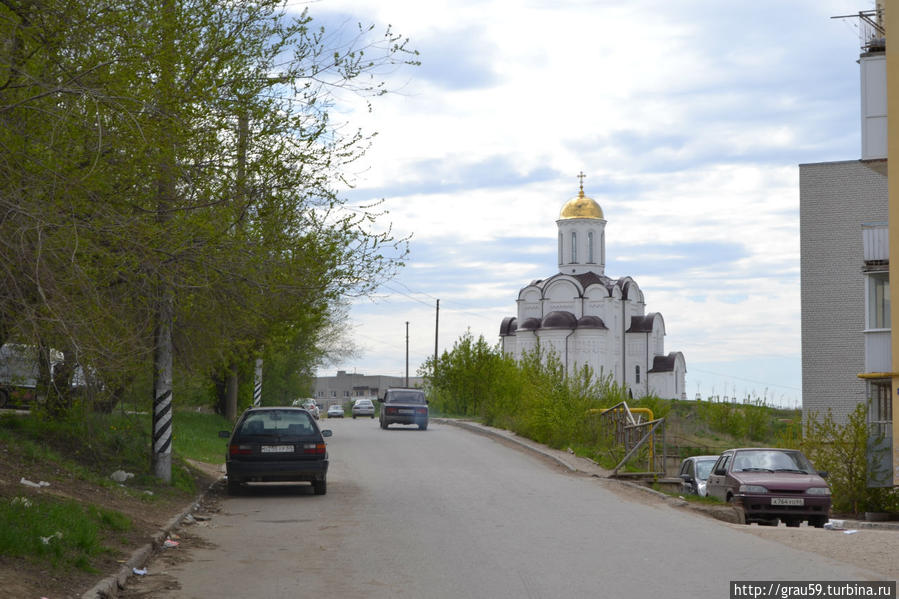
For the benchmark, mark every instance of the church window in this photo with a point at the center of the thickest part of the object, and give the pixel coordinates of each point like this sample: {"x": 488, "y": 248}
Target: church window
{"x": 638, "y": 374}
{"x": 879, "y": 301}
{"x": 560, "y": 248}
{"x": 573, "y": 247}
{"x": 590, "y": 247}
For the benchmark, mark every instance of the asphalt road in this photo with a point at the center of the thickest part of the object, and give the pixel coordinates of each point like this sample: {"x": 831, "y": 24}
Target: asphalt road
{"x": 448, "y": 513}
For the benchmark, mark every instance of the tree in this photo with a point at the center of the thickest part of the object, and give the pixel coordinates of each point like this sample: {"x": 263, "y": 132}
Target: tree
{"x": 174, "y": 172}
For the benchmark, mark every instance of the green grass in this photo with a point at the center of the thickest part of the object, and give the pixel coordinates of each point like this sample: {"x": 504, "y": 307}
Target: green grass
{"x": 63, "y": 533}
{"x": 89, "y": 447}
{"x": 196, "y": 436}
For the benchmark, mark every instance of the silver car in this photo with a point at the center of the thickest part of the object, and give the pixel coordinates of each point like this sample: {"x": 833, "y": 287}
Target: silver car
{"x": 694, "y": 472}
{"x": 364, "y": 407}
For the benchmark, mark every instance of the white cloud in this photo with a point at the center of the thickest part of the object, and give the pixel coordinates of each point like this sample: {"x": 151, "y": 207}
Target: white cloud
{"x": 689, "y": 120}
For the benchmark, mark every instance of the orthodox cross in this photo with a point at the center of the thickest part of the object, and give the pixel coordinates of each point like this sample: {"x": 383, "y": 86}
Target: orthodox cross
{"x": 581, "y": 176}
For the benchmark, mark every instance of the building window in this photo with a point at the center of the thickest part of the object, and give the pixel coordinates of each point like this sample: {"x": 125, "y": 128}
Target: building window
{"x": 638, "y": 374}
{"x": 879, "y": 301}
{"x": 573, "y": 247}
{"x": 560, "y": 249}
{"x": 333, "y": 393}
{"x": 590, "y": 247}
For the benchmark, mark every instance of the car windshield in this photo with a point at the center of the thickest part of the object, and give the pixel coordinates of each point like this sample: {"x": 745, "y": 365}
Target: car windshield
{"x": 276, "y": 423}
{"x": 406, "y": 397}
{"x": 704, "y": 468}
{"x": 771, "y": 460}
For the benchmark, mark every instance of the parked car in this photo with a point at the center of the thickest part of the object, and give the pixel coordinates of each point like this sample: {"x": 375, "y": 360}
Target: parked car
{"x": 363, "y": 407}
{"x": 404, "y": 406}
{"x": 335, "y": 411}
{"x": 308, "y": 405}
{"x": 771, "y": 485}
{"x": 276, "y": 444}
{"x": 694, "y": 472}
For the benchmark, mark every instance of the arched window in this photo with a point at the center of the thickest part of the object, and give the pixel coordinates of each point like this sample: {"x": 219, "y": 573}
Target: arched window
{"x": 560, "y": 248}
{"x": 573, "y": 247}
{"x": 590, "y": 247}
{"x": 638, "y": 374}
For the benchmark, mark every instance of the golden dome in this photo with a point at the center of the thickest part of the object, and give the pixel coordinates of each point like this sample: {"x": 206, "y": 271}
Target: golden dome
{"x": 581, "y": 207}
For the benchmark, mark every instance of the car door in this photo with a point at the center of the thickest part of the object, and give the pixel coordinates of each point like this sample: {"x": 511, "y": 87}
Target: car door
{"x": 717, "y": 483}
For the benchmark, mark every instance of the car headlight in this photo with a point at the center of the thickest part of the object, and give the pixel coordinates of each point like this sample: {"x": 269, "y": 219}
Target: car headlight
{"x": 753, "y": 489}
{"x": 818, "y": 491}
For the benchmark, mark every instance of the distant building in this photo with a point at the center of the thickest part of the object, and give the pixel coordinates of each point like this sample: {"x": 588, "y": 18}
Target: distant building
{"x": 347, "y": 386}
{"x": 588, "y": 318}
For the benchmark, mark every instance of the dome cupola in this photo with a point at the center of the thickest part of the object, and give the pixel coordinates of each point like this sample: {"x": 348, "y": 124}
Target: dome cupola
{"x": 582, "y": 239}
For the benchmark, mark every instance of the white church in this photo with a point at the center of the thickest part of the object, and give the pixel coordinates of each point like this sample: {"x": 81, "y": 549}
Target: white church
{"x": 588, "y": 318}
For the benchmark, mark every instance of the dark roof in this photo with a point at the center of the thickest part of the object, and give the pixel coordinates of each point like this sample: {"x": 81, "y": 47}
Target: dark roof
{"x": 529, "y": 324}
{"x": 590, "y": 322}
{"x": 508, "y": 326}
{"x": 663, "y": 363}
{"x": 559, "y": 320}
{"x": 641, "y": 324}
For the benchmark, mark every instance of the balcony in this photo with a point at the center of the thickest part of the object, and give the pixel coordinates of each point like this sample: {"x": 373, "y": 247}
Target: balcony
{"x": 875, "y": 237}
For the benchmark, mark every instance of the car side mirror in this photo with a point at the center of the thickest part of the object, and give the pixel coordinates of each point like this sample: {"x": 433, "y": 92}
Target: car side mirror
{"x": 823, "y": 473}
{"x": 687, "y": 478}
{"x": 224, "y": 434}
{"x": 327, "y": 432}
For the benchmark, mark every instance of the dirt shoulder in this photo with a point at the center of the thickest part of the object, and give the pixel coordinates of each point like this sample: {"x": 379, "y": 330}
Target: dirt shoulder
{"x": 149, "y": 515}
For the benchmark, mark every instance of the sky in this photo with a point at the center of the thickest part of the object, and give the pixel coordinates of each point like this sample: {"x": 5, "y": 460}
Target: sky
{"x": 689, "y": 120}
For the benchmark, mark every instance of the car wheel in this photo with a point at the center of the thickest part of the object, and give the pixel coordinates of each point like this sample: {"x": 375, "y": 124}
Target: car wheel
{"x": 793, "y": 523}
{"x": 817, "y": 521}
{"x": 354, "y": 416}
{"x": 372, "y": 416}
{"x": 233, "y": 487}
{"x": 4, "y": 398}
{"x": 772, "y": 522}
{"x": 320, "y": 487}
{"x": 423, "y": 426}
{"x": 384, "y": 425}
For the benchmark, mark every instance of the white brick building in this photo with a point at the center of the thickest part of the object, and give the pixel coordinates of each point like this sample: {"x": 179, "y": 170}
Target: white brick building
{"x": 588, "y": 318}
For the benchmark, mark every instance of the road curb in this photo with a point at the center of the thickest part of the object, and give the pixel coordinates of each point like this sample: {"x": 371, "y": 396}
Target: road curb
{"x": 109, "y": 587}
{"x": 487, "y": 432}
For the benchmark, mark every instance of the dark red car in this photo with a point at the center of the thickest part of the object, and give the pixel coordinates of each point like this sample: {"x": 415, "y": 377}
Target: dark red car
{"x": 771, "y": 485}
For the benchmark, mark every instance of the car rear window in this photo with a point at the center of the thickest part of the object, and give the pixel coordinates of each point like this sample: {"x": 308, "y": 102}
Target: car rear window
{"x": 406, "y": 397}
{"x": 277, "y": 422}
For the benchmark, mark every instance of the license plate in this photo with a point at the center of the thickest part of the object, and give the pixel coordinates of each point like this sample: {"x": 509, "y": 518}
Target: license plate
{"x": 277, "y": 448}
{"x": 787, "y": 501}
{"x": 407, "y": 411}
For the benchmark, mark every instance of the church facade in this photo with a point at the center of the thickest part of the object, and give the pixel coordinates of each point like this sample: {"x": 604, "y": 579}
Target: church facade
{"x": 588, "y": 318}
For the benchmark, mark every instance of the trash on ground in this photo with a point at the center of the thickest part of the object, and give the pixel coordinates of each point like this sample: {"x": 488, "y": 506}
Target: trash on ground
{"x": 56, "y": 535}
{"x": 170, "y": 543}
{"x": 36, "y": 485}
{"x": 141, "y": 572}
{"x": 850, "y": 532}
{"x": 23, "y": 501}
{"x": 121, "y": 476}
{"x": 188, "y": 519}
{"x": 834, "y": 525}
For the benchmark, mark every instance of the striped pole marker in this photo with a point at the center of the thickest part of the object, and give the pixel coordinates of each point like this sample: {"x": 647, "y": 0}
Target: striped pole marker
{"x": 257, "y": 388}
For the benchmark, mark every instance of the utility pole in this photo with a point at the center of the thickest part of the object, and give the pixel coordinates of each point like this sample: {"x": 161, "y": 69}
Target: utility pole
{"x": 436, "y": 332}
{"x": 407, "y": 353}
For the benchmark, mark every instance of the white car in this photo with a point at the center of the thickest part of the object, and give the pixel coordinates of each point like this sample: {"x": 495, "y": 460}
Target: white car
{"x": 335, "y": 411}
{"x": 364, "y": 407}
